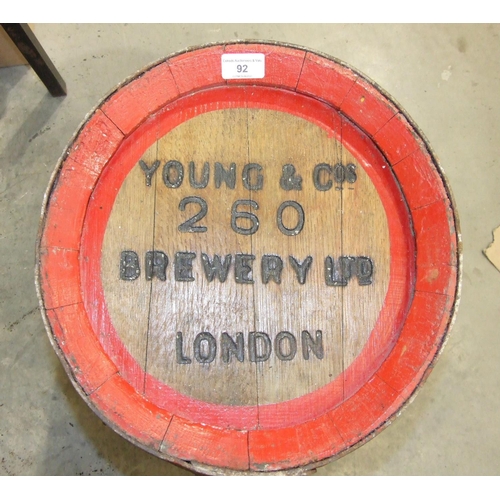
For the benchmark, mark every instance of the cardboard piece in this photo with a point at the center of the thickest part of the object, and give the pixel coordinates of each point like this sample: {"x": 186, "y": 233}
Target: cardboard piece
{"x": 493, "y": 250}
{"x": 9, "y": 53}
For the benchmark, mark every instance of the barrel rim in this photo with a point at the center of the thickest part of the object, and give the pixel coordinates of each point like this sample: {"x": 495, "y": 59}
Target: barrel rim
{"x": 53, "y": 183}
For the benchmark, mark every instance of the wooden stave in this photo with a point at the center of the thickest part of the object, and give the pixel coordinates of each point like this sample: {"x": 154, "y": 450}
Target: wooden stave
{"x": 214, "y": 469}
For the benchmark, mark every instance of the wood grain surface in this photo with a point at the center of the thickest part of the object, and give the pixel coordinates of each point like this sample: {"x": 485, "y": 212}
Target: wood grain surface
{"x": 346, "y": 220}
{"x": 248, "y": 276}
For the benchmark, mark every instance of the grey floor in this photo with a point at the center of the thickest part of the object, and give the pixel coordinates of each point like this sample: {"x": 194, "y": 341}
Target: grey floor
{"x": 446, "y": 77}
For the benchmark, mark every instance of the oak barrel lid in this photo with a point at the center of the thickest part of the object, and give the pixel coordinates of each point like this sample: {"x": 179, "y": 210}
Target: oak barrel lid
{"x": 249, "y": 259}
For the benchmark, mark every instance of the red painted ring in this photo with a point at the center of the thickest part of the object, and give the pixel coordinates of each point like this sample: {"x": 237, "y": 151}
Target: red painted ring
{"x": 107, "y": 133}
{"x": 284, "y": 414}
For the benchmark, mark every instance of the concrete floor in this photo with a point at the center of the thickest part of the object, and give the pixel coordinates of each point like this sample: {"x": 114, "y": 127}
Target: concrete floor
{"x": 446, "y": 77}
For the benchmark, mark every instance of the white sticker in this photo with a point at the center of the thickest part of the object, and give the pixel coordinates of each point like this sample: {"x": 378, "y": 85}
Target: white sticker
{"x": 237, "y": 66}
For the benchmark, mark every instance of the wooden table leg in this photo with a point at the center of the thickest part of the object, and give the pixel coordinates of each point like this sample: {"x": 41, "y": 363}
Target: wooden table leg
{"x": 29, "y": 46}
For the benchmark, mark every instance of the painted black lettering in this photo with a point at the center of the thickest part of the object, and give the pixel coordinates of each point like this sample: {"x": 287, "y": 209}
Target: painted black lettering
{"x": 188, "y": 226}
{"x": 271, "y": 267}
{"x": 350, "y": 173}
{"x": 364, "y": 270}
{"x": 183, "y": 266}
{"x": 205, "y": 173}
{"x": 149, "y": 170}
{"x": 259, "y": 346}
{"x": 289, "y": 179}
{"x": 216, "y": 267}
{"x": 253, "y": 182}
{"x": 338, "y": 274}
{"x": 247, "y": 216}
{"x": 228, "y": 347}
{"x": 285, "y": 338}
{"x": 129, "y": 266}
{"x": 156, "y": 265}
{"x": 243, "y": 268}
{"x": 315, "y": 345}
{"x": 223, "y": 175}
{"x": 182, "y": 359}
{"x": 347, "y": 264}
{"x": 300, "y": 218}
{"x": 318, "y": 178}
{"x": 339, "y": 173}
{"x": 301, "y": 269}
{"x": 205, "y": 347}
{"x": 173, "y": 174}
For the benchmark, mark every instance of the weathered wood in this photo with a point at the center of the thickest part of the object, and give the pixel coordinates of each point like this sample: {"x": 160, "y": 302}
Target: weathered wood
{"x": 29, "y": 46}
{"x": 241, "y": 275}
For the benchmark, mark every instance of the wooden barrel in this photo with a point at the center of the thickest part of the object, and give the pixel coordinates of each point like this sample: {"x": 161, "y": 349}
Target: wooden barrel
{"x": 249, "y": 259}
